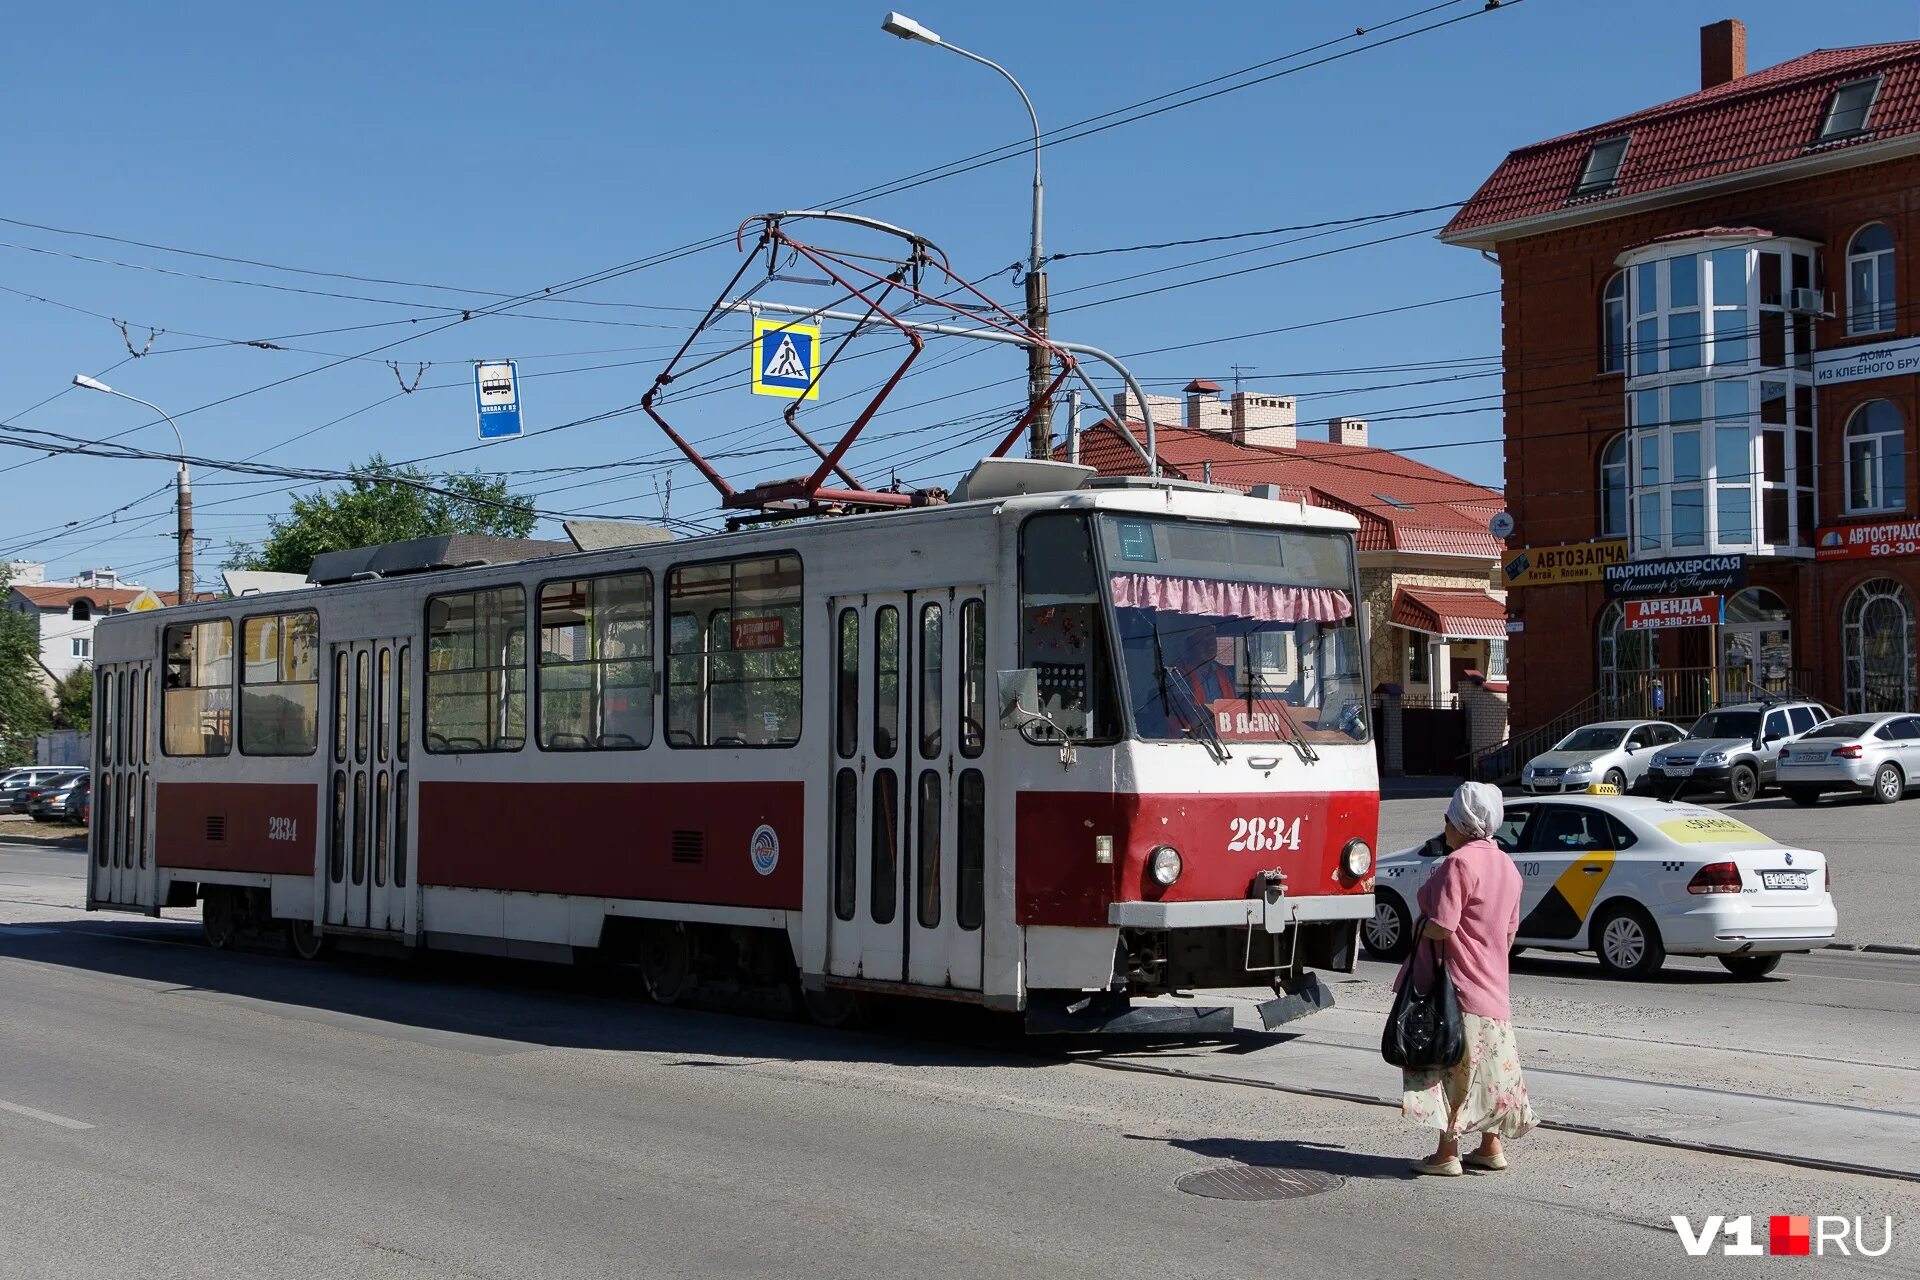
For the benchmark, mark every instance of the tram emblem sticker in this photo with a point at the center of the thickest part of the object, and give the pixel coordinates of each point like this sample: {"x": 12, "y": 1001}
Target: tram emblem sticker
{"x": 764, "y": 849}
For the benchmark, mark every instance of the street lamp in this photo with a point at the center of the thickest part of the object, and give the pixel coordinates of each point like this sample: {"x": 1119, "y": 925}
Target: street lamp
{"x": 899, "y": 24}
{"x": 185, "y": 486}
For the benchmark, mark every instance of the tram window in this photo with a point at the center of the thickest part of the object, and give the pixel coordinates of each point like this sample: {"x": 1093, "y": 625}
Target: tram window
{"x": 102, "y": 824}
{"x": 734, "y": 653}
{"x": 933, "y": 649}
{"x": 476, "y": 691}
{"x": 403, "y": 731}
{"x": 104, "y": 700}
{"x": 146, "y": 713}
{"x": 970, "y": 828}
{"x": 196, "y": 715}
{"x": 137, "y": 730}
{"x": 340, "y": 707}
{"x": 382, "y": 802}
{"x": 360, "y": 828}
{"x": 400, "y": 829}
{"x": 382, "y": 704}
{"x": 596, "y": 663}
{"x": 337, "y": 843}
{"x": 886, "y": 681}
{"x": 973, "y": 677}
{"x": 846, "y": 834}
{"x": 362, "y": 704}
{"x": 846, "y": 690}
{"x": 927, "y": 816}
{"x": 1063, "y": 630}
{"x": 280, "y": 684}
{"x": 885, "y": 846}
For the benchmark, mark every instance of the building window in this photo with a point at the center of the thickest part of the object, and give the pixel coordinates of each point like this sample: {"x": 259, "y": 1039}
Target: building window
{"x": 1496, "y": 660}
{"x": 82, "y": 611}
{"x": 1613, "y": 325}
{"x": 196, "y": 709}
{"x": 596, "y": 663}
{"x": 733, "y": 656}
{"x": 477, "y": 671}
{"x": 81, "y": 647}
{"x": 1418, "y": 667}
{"x": 1870, "y": 296}
{"x": 1628, "y": 661}
{"x": 280, "y": 684}
{"x": 1876, "y": 458}
{"x": 1876, "y": 639}
{"x": 1613, "y": 488}
{"x": 1847, "y": 110}
{"x": 1603, "y": 167}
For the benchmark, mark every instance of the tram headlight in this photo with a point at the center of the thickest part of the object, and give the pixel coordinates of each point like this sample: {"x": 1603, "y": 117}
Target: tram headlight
{"x": 1165, "y": 865}
{"x": 1357, "y": 858}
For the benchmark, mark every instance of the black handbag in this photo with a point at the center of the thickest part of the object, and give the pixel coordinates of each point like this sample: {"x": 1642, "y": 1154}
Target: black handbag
{"x": 1424, "y": 1029}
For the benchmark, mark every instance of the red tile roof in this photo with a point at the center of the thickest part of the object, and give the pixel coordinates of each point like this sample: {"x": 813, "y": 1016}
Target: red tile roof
{"x": 1402, "y": 505}
{"x": 1456, "y": 613}
{"x": 62, "y": 596}
{"x": 1759, "y": 120}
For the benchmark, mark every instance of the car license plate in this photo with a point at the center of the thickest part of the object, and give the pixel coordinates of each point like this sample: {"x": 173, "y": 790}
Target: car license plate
{"x": 1679, "y": 770}
{"x": 1785, "y": 879}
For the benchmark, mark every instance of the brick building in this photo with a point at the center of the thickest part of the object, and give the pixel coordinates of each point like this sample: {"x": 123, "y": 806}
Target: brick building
{"x": 1709, "y": 332}
{"x": 1435, "y": 622}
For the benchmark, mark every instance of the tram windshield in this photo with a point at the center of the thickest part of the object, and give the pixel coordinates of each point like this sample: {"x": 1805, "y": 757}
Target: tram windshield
{"x": 1235, "y": 633}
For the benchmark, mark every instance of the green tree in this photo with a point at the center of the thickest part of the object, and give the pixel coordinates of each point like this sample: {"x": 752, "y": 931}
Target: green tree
{"x": 73, "y": 701}
{"x": 390, "y": 504}
{"x": 24, "y": 709}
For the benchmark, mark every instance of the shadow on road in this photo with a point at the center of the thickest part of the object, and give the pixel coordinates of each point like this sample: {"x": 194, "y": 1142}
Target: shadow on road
{"x": 1287, "y": 1153}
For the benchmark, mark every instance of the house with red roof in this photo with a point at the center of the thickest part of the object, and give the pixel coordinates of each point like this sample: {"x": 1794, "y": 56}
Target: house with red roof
{"x": 1712, "y": 372}
{"x": 65, "y": 612}
{"x": 1428, "y": 565}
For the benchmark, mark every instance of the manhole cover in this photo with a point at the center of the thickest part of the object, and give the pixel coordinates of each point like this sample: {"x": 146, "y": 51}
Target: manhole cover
{"x": 1252, "y": 1182}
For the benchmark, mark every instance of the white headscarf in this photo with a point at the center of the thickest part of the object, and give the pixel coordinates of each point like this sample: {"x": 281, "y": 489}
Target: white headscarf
{"x": 1476, "y": 810}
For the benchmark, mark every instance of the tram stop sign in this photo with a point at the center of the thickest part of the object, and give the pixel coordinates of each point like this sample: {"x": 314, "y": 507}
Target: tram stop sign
{"x": 496, "y": 389}
{"x": 786, "y": 359}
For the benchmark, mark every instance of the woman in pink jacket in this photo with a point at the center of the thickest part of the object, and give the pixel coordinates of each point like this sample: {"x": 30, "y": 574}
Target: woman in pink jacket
{"x": 1471, "y": 906}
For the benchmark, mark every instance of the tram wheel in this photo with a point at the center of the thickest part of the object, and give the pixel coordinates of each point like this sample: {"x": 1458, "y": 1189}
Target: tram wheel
{"x": 217, "y": 922}
{"x": 832, "y": 1007}
{"x": 305, "y": 941}
{"x": 666, "y": 962}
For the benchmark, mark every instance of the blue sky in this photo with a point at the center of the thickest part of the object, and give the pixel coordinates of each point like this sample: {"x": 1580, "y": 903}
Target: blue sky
{"x": 504, "y": 148}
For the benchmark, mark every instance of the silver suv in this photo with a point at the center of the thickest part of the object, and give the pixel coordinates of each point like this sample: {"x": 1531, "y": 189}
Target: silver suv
{"x": 1733, "y": 749}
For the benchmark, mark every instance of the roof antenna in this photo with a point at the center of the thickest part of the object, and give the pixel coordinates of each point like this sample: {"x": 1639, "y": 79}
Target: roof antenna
{"x": 1237, "y": 370}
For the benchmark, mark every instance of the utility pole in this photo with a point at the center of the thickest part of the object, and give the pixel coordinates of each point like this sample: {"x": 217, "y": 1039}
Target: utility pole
{"x": 1040, "y": 441}
{"x": 183, "y": 485}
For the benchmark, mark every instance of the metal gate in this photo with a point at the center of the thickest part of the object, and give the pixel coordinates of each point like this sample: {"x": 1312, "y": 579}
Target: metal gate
{"x": 1433, "y": 741}
{"x": 121, "y": 870}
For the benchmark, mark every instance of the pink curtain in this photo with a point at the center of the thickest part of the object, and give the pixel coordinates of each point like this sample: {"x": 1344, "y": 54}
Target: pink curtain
{"x": 1260, "y": 601}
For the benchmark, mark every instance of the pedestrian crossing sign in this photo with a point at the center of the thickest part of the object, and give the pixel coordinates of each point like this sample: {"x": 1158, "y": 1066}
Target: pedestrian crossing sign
{"x": 785, "y": 357}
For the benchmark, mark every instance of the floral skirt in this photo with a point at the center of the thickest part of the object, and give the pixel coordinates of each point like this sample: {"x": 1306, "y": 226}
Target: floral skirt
{"x": 1484, "y": 1092}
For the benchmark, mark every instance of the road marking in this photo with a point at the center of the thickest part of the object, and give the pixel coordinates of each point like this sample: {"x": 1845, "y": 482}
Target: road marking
{"x": 33, "y": 1113}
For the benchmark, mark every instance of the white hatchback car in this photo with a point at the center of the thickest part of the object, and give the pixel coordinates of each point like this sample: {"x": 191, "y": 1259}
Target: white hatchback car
{"x": 1615, "y": 752}
{"x": 1634, "y": 880}
{"x": 1878, "y": 755}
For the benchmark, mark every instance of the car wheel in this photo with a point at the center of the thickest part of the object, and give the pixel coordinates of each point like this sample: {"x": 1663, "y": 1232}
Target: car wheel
{"x": 1743, "y": 784}
{"x": 1386, "y": 935}
{"x": 1803, "y": 795}
{"x": 1750, "y": 968}
{"x": 1628, "y": 942}
{"x": 1616, "y": 780}
{"x": 1889, "y": 784}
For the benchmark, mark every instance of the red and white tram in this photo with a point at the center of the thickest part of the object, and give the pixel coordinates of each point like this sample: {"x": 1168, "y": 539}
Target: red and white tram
{"x": 1039, "y": 751}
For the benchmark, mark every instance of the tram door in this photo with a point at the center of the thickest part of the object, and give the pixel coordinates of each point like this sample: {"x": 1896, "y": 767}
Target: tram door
{"x": 906, "y": 793}
{"x": 123, "y": 870}
{"x": 368, "y": 850}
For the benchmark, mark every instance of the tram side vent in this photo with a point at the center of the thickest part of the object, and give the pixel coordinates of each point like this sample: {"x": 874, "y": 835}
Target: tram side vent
{"x": 216, "y": 828}
{"x": 690, "y": 847}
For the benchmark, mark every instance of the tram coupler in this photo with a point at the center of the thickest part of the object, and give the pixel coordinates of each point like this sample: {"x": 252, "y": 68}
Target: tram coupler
{"x": 1111, "y": 1013}
{"x": 1296, "y": 998}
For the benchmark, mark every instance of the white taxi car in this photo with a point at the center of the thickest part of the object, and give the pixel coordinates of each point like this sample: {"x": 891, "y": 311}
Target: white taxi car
{"x": 1634, "y": 880}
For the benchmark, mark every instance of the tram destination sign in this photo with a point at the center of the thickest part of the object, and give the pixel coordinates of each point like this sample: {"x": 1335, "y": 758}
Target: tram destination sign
{"x": 1677, "y": 576}
{"x": 1868, "y": 541}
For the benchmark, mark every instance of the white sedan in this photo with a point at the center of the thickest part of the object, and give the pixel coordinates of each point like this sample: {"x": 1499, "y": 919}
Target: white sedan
{"x": 1633, "y": 881}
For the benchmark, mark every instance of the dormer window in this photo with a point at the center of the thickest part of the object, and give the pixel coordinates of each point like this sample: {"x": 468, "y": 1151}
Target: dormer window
{"x": 82, "y": 611}
{"x": 1847, "y": 110}
{"x": 1603, "y": 166}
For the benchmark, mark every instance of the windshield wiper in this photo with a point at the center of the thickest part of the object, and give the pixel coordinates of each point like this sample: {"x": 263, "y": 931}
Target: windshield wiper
{"x": 1296, "y": 737}
{"x": 1198, "y": 717}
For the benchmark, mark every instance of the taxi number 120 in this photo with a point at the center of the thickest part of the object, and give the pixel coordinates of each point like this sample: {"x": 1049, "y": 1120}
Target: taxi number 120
{"x": 1260, "y": 834}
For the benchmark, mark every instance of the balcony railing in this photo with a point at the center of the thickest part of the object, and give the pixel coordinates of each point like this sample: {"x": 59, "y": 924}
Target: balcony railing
{"x": 1680, "y": 694}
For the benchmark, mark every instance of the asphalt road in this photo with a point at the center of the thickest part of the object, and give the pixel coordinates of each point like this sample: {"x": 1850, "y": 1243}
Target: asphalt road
{"x": 170, "y": 1111}
{"x": 1874, "y": 851}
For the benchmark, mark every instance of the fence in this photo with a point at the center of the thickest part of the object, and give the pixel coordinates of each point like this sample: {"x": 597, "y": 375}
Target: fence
{"x": 1682, "y": 694}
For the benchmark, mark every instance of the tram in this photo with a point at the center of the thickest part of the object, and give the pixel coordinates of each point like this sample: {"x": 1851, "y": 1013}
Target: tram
{"x": 1043, "y": 749}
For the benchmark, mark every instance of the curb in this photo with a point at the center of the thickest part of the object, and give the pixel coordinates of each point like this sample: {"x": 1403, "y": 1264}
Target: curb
{"x": 1877, "y": 948}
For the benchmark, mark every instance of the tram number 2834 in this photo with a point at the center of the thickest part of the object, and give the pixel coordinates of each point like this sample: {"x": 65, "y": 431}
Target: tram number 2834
{"x": 1261, "y": 834}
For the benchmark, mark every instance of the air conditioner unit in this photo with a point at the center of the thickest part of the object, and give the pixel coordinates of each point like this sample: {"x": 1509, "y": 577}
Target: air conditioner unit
{"x": 1807, "y": 302}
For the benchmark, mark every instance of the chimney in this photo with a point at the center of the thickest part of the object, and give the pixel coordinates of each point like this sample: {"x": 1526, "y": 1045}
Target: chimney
{"x": 1263, "y": 420}
{"x": 1351, "y": 431}
{"x": 1723, "y": 53}
{"x": 1166, "y": 410}
{"x": 1204, "y": 410}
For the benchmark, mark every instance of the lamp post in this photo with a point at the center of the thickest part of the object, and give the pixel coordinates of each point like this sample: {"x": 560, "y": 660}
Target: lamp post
{"x": 1041, "y": 446}
{"x": 185, "y": 499}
